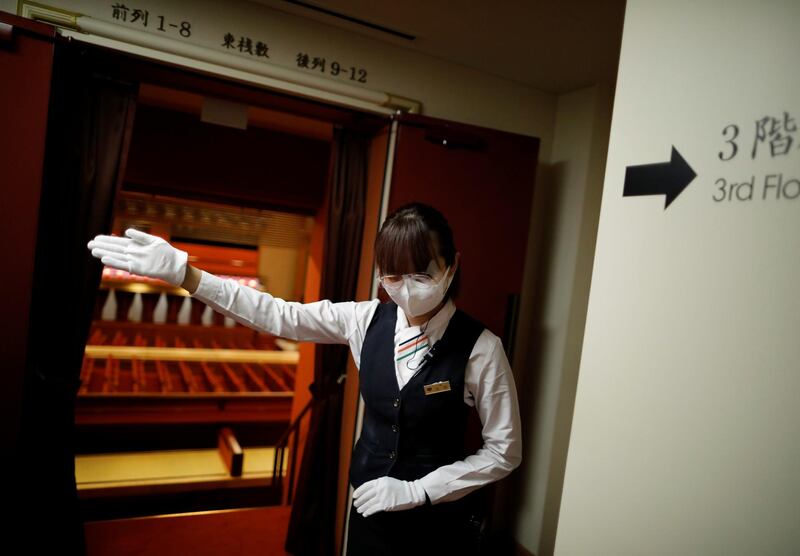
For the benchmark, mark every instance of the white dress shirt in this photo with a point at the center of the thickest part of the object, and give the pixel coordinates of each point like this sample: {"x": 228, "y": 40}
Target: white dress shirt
{"x": 489, "y": 383}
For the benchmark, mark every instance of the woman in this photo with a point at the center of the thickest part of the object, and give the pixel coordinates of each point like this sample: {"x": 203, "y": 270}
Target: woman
{"x": 422, "y": 365}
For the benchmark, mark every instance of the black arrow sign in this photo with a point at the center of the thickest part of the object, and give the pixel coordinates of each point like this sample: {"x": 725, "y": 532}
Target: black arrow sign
{"x": 663, "y": 178}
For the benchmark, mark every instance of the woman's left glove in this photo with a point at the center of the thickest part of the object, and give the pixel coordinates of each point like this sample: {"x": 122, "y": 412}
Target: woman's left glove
{"x": 388, "y": 494}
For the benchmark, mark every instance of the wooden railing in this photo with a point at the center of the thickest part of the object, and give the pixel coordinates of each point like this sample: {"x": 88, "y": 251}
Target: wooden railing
{"x": 293, "y": 431}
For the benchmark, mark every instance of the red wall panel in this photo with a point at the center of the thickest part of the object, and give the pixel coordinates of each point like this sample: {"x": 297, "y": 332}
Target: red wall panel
{"x": 26, "y": 59}
{"x": 176, "y": 153}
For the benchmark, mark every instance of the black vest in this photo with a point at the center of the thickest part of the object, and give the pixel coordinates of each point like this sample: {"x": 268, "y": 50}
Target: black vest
{"x": 406, "y": 434}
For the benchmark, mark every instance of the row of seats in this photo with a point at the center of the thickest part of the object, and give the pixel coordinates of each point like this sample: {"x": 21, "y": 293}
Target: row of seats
{"x": 113, "y": 304}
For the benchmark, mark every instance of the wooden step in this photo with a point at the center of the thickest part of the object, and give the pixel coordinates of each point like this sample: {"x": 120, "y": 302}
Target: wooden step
{"x": 169, "y": 471}
{"x": 234, "y": 532}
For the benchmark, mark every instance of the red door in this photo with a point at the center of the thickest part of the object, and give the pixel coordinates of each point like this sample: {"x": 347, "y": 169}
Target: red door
{"x": 26, "y": 60}
{"x": 482, "y": 180}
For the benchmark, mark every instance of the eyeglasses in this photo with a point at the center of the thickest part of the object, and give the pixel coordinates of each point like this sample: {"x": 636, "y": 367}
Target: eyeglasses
{"x": 421, "y": 278}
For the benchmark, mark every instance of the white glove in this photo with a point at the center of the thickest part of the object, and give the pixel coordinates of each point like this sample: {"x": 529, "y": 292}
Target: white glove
{"x": 142, "y": 254}
{"x": 388, "y": 494}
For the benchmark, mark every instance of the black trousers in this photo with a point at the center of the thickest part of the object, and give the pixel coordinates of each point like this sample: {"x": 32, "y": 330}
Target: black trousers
{"x": 443, "y": 528}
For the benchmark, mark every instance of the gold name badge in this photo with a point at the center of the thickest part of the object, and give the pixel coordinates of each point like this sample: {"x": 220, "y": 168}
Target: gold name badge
{"x": 436, "y": 387}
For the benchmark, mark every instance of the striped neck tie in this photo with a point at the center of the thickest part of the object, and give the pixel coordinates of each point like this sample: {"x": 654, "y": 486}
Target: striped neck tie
{"x": 412, "y": 348}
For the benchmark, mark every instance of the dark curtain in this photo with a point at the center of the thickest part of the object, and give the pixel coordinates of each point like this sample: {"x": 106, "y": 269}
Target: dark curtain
{"x": 312, "y": 523}
{"x": 88, "y": 122}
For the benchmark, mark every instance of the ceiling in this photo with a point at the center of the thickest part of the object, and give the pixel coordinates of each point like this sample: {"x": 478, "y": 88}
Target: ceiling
{"x": 551, "y": 45}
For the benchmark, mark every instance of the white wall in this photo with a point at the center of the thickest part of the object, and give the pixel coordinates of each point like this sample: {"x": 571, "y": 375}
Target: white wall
{"x": 686, "y": 423}
{"x": 558, "y": 271}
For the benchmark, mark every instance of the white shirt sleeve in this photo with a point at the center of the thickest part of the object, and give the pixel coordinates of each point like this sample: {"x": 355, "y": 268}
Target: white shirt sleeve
{"x": 322, "y": 322}
{"x": 496, "y": 402}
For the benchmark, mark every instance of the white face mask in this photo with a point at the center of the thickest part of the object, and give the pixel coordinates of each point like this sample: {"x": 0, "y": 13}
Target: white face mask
{"x": 417, "y": 298}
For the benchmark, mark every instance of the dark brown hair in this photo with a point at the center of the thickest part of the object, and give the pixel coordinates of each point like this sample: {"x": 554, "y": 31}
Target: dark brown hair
{"x": 410, "y": 237}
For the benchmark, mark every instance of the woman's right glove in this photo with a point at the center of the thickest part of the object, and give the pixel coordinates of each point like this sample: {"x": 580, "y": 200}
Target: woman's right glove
{"x": 143, "y": 254}
{"x": 387, "y": 494}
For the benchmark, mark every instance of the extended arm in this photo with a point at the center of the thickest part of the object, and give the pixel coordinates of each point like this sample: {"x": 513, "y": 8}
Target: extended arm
{"x": 323, "y": 321}
{"x": 150, "y": 255}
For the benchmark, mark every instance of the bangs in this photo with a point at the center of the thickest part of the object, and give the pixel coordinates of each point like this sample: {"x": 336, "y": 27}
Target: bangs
{"x": 404, "y": 246}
